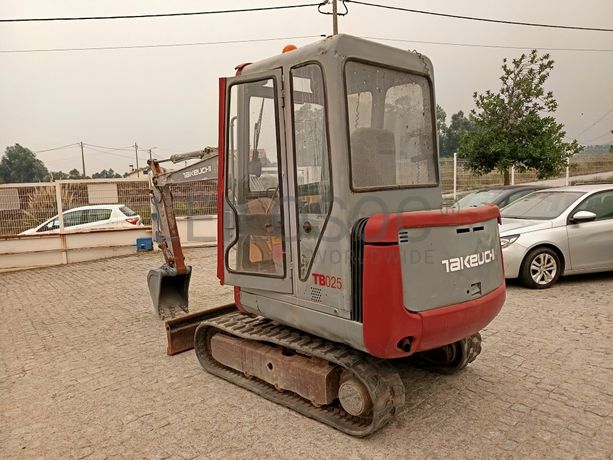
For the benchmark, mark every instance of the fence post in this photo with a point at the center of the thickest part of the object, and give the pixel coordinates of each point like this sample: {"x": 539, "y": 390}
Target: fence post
{"x": 512, "y": 175}
{"x": 567, "y": 178}
{"x": 455, "y": 175}
{"x": 60, "y": 219}
{"x": 58, "y": 199}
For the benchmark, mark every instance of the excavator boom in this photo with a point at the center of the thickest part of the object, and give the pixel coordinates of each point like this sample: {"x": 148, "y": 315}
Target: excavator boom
{"x": 169, "y": 284}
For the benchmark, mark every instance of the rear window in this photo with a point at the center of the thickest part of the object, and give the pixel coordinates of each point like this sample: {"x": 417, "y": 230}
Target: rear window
{"x": 391, "y": 131}
{"x": 127, "y": 211}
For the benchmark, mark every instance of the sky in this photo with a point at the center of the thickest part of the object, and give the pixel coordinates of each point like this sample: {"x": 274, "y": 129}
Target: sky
{"x": 166, "y": 98}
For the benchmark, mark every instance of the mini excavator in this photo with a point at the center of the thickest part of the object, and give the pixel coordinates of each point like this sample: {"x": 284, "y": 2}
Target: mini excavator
{"x": 331, "y": 230}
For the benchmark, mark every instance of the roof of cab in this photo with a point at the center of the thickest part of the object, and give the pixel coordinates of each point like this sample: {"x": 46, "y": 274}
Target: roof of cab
{"x": 345, "y": 46}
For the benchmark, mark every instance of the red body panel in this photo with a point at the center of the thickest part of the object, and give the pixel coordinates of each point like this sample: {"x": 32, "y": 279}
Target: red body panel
{"x": 221, "y": 150}
{"x": 386, "y": 320}
{"x": 383, "y": 228}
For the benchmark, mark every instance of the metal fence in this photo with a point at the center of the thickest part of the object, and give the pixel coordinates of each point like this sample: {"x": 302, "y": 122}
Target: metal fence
{"x": 464, "y": 180}
{"x": 26, "y": 206}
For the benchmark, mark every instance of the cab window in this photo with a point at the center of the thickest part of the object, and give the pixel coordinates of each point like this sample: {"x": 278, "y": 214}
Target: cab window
{"x": 391, "y": 130}
{"x": 313, "y": 187}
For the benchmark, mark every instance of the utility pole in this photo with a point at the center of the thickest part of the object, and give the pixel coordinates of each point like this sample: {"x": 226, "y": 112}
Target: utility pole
{"x": 150, "y": 155}
{"x": 334, "y": 17}
{"x": 136, "y": 153}
{"x": 82, "y": 159}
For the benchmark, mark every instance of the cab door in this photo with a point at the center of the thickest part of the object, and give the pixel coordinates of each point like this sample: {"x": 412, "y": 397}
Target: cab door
{"x": 256, "y": 237}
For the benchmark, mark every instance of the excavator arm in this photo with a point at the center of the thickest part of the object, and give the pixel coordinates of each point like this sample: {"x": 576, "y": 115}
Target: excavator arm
{"x": 169, "y": 284}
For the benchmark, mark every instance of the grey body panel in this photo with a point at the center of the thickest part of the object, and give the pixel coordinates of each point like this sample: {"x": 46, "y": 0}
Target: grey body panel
{"x": 316, "y": 322}
{"x": 449, "y": 265}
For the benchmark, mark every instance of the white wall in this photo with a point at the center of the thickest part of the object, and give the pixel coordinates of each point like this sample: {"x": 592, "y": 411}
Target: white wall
{"x": 28, "y": 251}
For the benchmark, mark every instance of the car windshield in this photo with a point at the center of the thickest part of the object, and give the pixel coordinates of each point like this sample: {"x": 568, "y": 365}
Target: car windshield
{"x": 478, "y": 198}
{"x": 541, "y": 205}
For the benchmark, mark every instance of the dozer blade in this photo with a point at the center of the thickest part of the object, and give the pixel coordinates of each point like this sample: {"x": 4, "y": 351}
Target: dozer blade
{"x": 180, "y": 331}
{"x": 169, "y": 290}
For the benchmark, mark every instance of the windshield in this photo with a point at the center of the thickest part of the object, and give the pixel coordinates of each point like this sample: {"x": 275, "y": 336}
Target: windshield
{"x": 478, "y": 198}
{"x": 541, "y": 205}
{"x": 391, "y": 129}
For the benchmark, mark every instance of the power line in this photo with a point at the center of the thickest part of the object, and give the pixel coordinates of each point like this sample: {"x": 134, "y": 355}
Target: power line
{"x": 57, "y": 148}
{"x": 595, "y": 123}
{"x": 479, "y": 45}
{"x": 160, "y": 45}
{"x": 170, "y": 45}
{"x": 161, "y": 15}
{"x": 107, "y": 152}
{"x": 471, "y": 18}
{"x": 128, "y": 148}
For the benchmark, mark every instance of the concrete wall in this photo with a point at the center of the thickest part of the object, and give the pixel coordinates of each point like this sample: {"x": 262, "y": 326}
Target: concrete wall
{"x": 28, "y": 251}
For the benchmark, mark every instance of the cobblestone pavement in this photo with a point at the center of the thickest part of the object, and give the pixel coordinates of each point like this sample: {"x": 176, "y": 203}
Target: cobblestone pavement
{"x": 83, "y": 374}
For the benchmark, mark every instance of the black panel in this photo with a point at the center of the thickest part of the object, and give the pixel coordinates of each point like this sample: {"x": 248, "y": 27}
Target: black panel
{"x": 357, "y": 267}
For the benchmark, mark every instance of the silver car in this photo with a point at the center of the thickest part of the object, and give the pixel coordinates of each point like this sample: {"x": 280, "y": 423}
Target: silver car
{"x": 567, "y": 230}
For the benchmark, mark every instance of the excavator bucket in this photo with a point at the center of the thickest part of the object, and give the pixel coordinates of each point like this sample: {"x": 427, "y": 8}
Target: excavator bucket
{"x": 169, "y": 290}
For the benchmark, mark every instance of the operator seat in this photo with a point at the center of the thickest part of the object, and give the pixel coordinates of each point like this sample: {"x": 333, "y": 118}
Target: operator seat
{"x": 373, "y": 157}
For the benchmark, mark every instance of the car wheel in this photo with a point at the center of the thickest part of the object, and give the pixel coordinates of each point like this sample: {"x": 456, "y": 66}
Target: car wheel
{"x": 540, "y": 269}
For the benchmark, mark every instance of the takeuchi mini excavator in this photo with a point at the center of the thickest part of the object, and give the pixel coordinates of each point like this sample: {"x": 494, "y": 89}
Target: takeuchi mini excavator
{"x": 332, "y": 232}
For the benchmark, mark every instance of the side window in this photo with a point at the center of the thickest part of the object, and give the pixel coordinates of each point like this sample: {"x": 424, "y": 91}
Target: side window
{"x": 600, "y": 204}
{"x": 97, "y": 215}
{"x": 73, "y": 218}
{"x": 50, "y": 225}
{"x": 253, "y": 180}
{"x": 313, "y": 188}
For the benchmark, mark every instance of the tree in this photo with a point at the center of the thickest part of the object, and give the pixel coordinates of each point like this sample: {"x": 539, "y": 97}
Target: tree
{"x": 74, "y": 174}
{"x": 449, "y": 136}
{"x": 459, "y": 125}
{"x": 57, "y": 175}
{"x": 104, "y": 174}
{"x": 20, "y": 164}
{"x": 515, "y": 127}
{"x": 441, "y": 129}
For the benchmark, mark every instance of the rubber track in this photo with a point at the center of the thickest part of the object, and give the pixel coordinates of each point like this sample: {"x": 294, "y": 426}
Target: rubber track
{"x": 382, "y": 381}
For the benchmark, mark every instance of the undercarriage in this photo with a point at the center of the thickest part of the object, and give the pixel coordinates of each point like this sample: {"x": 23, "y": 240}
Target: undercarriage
{"x": 327, "y": 381}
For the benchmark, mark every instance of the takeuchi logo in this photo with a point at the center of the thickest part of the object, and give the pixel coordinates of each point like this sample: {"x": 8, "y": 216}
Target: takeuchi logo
{"x": 470, "y": 261}
{"x": 197, "y": 172}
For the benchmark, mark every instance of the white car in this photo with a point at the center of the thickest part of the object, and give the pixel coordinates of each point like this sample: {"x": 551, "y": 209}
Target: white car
{"x": 90, "y": 217}
{"x": 561, "y": 231}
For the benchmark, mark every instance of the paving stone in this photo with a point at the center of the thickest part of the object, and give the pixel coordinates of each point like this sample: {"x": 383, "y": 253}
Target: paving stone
{"x": 83, "y": 374}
